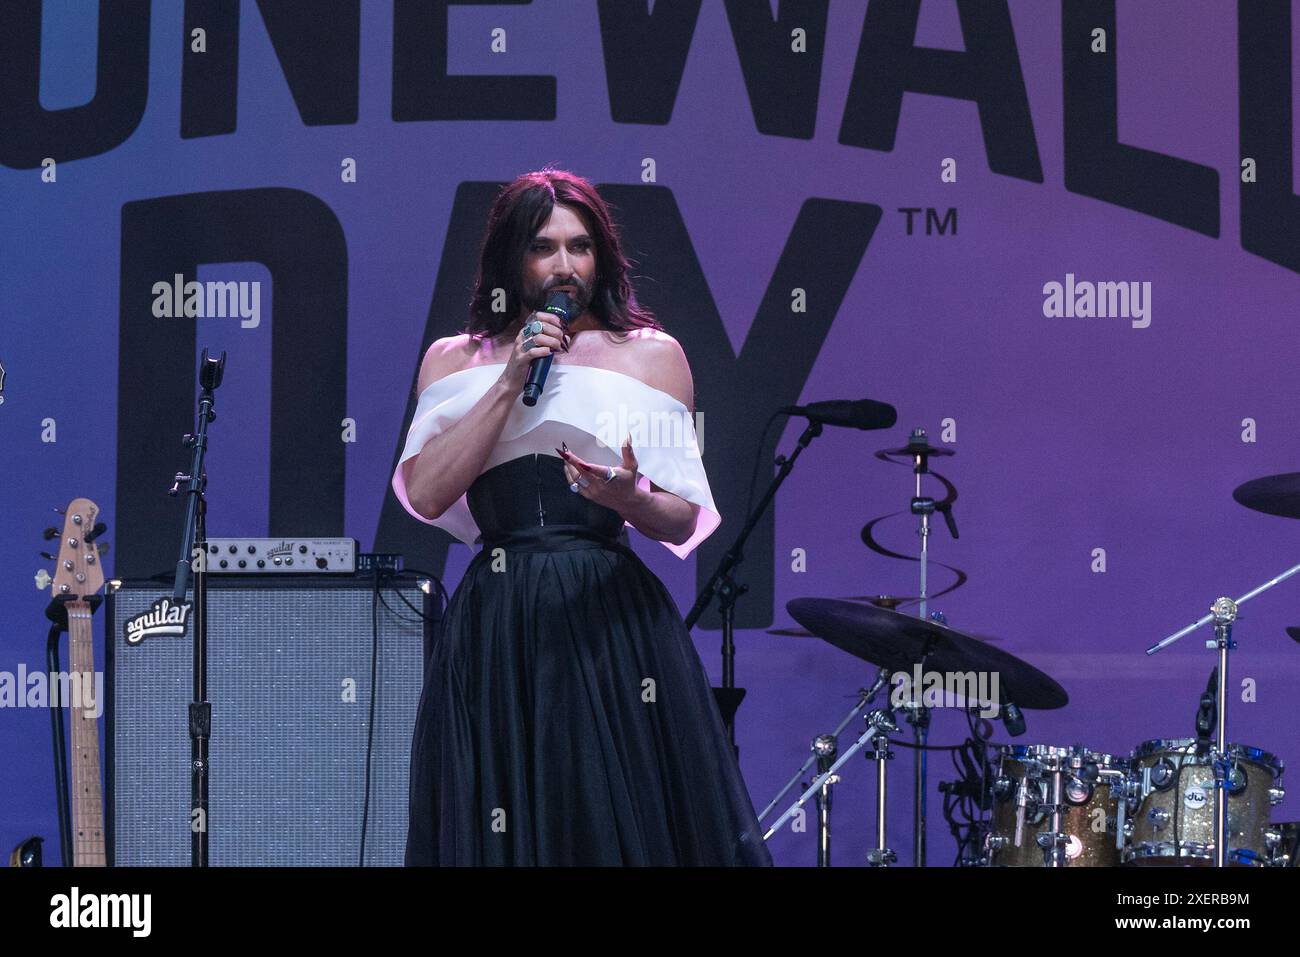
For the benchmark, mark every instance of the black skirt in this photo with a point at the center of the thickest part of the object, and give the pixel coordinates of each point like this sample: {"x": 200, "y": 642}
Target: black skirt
{"x": 566, "y": 717}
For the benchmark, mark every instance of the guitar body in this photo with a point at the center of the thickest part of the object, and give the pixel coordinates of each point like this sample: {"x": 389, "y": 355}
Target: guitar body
{"x": 27, "y": 854}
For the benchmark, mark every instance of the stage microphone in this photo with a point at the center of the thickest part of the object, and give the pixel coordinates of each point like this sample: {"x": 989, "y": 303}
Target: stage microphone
{"x": 562, "y": 306}
{"x": 863, "y": 414}
{"x": 1207, "y": 713}
{"x": 1013, "y": 719}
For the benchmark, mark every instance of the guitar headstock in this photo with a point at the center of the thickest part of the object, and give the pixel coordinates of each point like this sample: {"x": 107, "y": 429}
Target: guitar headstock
{"x": 78, "y": 573}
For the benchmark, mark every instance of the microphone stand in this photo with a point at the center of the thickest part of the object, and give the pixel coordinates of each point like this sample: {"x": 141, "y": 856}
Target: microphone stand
{"x": 727, "y": 590}
{"x": 194, "y": 545}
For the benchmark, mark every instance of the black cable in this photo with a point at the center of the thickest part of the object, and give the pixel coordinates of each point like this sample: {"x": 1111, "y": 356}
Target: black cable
{"x": 57, "y": 737}
{"x": 370, "y": 729}
{"x": 442, "y": 591}
{"x": 407, "y": 602}
{"x": 382, "y": 577}
{"x": 758, "y": 458}
{"x": 394, "y": 612}
{"x": 927, "y": 747}
{"x": 962, "y": 810}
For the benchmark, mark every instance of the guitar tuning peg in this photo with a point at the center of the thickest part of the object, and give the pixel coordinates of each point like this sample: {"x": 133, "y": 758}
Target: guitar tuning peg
{"x": 47, "y": 556}
{"x": 50, "y": 532}
{"x": 43, "y": 579}
{"x": 99, "y": 529}
{"x": 60, "y": 509}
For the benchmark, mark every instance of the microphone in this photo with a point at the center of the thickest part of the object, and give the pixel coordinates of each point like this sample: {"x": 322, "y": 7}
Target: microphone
{"x": 1207, "y": 713}
{"x": 863, "y": 414}
{"x": 1013, "y": 719}
{"x": 562, "y": 306}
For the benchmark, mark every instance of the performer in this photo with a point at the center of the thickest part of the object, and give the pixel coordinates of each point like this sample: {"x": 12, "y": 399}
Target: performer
{"x": 566, "y": 717}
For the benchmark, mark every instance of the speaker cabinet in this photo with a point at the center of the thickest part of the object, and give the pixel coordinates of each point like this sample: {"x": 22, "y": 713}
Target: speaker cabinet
{"x": 304, "y": 744}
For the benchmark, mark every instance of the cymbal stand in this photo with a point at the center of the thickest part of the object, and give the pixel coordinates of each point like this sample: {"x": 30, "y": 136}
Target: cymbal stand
{"x": 823, "y": 757}
{"x": 875, "y": 727}
{"x": 918, "y": 715}
{"x": 824, "y": 747}
{"x": 881, "y": 724}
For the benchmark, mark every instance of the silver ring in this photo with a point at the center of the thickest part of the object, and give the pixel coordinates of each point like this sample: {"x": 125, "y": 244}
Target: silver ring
{"x": 573, "y": 487}
{"x": 609, "y": 477}
{"x": 529, "y": 344}
{"x": 533, "y": 327}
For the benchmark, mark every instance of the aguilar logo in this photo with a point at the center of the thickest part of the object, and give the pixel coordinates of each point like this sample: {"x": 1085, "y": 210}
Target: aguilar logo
{"x": 162, "y": 618}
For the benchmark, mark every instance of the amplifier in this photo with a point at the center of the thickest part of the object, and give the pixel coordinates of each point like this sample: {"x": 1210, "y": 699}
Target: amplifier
{"x": 304, "y": 745}
{"x": 252, "y": 556}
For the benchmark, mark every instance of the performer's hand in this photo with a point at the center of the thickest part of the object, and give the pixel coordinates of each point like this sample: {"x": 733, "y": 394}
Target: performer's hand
{"x": 617, "y": 493}
{"x": 550, "y": 339}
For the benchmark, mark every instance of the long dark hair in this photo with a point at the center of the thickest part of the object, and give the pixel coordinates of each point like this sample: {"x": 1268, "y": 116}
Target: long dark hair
{"x": 519, "y": 211}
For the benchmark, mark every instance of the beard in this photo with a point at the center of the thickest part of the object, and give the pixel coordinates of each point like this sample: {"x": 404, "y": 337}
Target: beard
{"x": 534, "y": 296}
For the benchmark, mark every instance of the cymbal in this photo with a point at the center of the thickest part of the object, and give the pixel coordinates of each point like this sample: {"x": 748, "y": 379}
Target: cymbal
{"x": 805, "y": 633}
{"x": 920, "y": 446}
{"x": 790, "y": 632}
{"x": 896, "y": 641}
{"x": 1273, "y": 494}
{"x": 882, "y": 601}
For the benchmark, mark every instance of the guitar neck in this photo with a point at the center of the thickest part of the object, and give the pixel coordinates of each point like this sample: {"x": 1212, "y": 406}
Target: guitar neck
{"x": 87, "y": 789}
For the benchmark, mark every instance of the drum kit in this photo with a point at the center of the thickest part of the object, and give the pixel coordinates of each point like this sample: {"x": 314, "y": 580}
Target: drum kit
{"x": 1194, "y": 801}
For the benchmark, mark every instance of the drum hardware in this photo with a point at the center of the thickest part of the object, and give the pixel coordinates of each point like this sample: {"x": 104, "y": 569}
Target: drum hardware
{"x": 1273, "y": 495}
{"x": 825, "y": 747}
{"x": 1283, "y": 842}
{"x": 1048, "y": 803}
{"x": 1223, "y": 613}
{"x": 1054, "y": 842}
{"x": 1123, "y": 823}
{"x": 865, "y": 697}
{"x": 919, "y": 450}
{"x": 881, "y": 724}
{"x": 895, "y": 641}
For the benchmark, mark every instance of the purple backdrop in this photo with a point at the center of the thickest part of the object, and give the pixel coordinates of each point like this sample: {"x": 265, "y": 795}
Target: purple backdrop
{"x": 1072, "y": 434}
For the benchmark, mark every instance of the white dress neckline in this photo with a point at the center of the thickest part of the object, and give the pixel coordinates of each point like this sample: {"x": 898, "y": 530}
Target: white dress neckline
{"x": 577, "y": 406}
{"x": 562, "y": 365}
